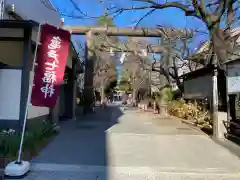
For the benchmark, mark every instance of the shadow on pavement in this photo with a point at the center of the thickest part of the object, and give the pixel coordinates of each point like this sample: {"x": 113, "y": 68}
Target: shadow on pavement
{"x": 82, "y": 142}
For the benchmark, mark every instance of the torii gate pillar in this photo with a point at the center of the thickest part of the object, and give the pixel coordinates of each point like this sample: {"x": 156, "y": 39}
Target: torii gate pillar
{"x": 88, "y": 77}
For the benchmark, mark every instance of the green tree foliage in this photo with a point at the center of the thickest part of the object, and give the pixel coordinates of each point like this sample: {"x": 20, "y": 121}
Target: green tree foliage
{"x": 105, "y": 21}
{"x": 125, "y": 83}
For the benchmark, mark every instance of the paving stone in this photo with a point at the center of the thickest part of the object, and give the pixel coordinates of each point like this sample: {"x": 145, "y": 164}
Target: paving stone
{"x": 115, "y": 144}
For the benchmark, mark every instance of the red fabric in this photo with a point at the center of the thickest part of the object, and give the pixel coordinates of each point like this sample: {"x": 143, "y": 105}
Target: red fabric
{"x": 51, "y": 61}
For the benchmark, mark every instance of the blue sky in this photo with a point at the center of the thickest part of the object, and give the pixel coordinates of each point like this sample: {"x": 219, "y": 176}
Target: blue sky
{"x": 173, "y": 17}
{"x": 167, "y": 17}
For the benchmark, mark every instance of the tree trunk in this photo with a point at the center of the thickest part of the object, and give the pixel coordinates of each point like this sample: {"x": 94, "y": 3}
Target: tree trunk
{"x": 220, "y": 45}
{"x": 102, "y": 94}
{"x": 163, "y": 101}
{"x": 134, "y": 96}
{"x": 177, "y": 79}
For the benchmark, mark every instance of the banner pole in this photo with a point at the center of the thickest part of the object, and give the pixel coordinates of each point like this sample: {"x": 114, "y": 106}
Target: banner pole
{"x": 29, "y": 96}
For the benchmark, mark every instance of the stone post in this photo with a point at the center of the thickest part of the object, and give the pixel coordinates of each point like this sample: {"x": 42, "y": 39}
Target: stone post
{"x": 220, "y": 130}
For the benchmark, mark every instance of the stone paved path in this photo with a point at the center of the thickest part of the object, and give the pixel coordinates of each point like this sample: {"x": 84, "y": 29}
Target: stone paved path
{"x": 132, "y": 145}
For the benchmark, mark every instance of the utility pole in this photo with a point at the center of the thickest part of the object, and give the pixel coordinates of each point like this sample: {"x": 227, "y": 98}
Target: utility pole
{"x": 215, "y": 98}
{"x": 2, "y": 9}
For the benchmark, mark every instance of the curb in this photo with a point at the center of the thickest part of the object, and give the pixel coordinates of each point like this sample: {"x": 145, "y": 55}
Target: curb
{"x": 193, "y": 126}
{"x": 225, "y": 143}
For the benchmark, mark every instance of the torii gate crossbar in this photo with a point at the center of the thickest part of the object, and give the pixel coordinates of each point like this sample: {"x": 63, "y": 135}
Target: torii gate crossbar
{"x": 133, "y": 32}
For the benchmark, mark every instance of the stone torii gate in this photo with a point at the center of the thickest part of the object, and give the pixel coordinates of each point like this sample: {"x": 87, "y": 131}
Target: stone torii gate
{"x": 115, "y": 31}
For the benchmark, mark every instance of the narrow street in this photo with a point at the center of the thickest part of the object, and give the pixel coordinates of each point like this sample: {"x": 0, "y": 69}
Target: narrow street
{"x": 131, "y": 145}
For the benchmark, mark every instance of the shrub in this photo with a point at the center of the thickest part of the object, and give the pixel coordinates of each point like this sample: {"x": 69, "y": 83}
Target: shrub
{"x": 9, "y": 145}
{"x": 35, "y": 134}
{"x": 164, "y": 96}
{"x": 190, "y": 111}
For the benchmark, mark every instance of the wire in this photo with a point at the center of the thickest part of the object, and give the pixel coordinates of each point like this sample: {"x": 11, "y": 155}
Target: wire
{"x": 78, "y": 9}
{"x": 186, "y": 21}
{"x": 85, "y": 16}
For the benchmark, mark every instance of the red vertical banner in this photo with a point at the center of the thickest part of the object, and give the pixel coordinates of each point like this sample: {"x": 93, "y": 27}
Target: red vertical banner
{"x": 50, "y": 65}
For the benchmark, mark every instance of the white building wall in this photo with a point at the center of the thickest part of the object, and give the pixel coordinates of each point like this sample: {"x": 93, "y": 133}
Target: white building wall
{"x": 10, "y": 91}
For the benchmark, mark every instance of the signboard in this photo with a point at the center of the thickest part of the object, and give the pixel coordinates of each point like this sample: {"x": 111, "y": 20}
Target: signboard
{"x": 51, "y": 61}
{"x": 233, "y": 78}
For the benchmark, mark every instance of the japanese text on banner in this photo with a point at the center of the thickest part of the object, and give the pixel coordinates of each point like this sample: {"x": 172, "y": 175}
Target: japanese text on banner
{"x": 49, "y": 78}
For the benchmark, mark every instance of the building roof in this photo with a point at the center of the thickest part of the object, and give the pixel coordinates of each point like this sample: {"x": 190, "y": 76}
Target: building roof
{"x": 199, "y": 72}
{"x": 203, "y": 47}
